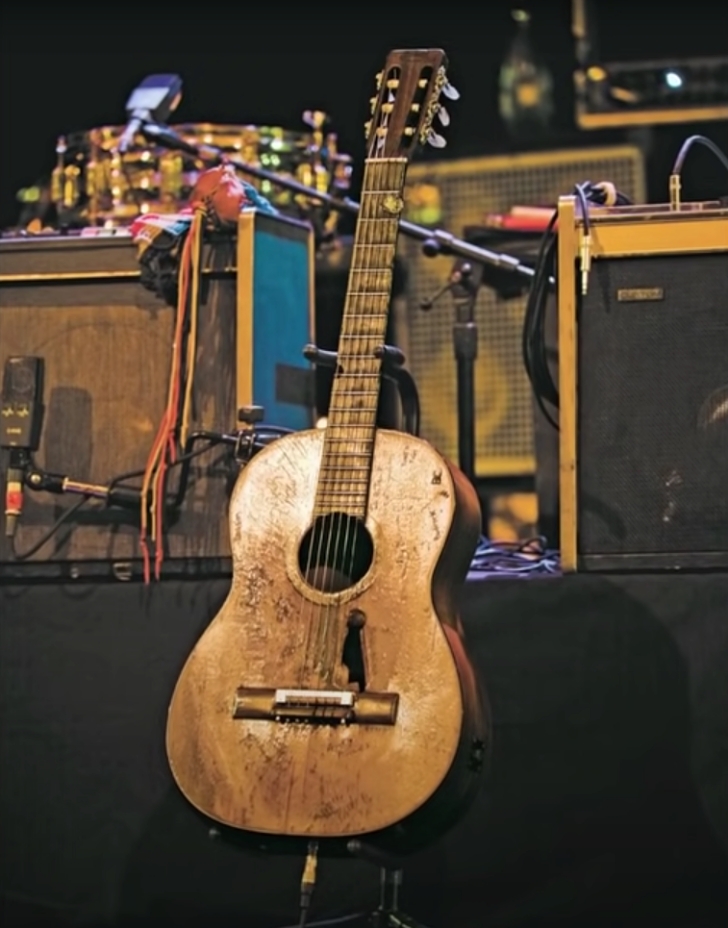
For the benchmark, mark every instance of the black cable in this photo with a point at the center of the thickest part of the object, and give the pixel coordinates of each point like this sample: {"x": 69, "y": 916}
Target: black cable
{"x": 64, "y": 517}
{"x": 534, "y": 335}
{"x": 263, "y": 436}
{"x": 533, "y": 342}
{"x": 688, "y": 144}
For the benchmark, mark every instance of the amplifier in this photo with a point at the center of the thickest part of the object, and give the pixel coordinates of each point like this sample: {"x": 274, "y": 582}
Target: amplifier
{"x": 456, "y": 195}
{"x": 106, "y": 341}
{"x": 643, "y": 384}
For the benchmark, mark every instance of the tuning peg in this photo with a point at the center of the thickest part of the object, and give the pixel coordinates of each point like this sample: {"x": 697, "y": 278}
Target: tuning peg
{"x": 367, "y": 128}
{"x": 443, "y": 116}
{"x": 380, "y": 77}
{"x": 449, "y": 91}
{"x": 437, "y": 141}
{"x": 372, "y": 104}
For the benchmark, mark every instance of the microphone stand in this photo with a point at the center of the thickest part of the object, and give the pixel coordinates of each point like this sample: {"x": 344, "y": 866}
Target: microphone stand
{"x": 463, "y": 284}
{"x": 435, "y": 241}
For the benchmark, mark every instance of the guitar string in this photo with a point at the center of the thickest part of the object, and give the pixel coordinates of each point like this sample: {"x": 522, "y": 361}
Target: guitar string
{"x": 331, "y": 459}
{"x": 350, "y": 485}
{"x": 361, "y": 405}
{"x": 343, "y": 494}
{"x": 394, "y": 173}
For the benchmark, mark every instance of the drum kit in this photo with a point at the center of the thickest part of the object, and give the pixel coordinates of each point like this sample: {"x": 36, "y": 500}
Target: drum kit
{"x": 93, "y": 184}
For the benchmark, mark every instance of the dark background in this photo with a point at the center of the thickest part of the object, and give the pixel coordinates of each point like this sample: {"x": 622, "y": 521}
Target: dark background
{"x": 71, "y": 66}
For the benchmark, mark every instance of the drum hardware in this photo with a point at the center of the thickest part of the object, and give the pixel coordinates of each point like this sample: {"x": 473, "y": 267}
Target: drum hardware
{"x": 94, "y": 183}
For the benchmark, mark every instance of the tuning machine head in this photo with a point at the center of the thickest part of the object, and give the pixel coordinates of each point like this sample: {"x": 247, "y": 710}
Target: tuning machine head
{"x": 447, "y": 90}
{"x": 438, "y": 111}
{"x": 434, "y": 139}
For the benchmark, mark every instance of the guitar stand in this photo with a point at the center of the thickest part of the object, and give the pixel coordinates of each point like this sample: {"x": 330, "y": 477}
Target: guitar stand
{"x": 387, "y": 914}
{"x": 392, "y": 360}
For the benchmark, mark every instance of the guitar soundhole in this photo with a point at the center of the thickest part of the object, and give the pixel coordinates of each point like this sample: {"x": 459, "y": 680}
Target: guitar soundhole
{"x": 335, "y": 553}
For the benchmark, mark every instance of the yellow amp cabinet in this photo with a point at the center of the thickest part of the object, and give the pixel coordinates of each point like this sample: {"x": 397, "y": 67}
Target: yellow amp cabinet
{"x": 643, "y": 384}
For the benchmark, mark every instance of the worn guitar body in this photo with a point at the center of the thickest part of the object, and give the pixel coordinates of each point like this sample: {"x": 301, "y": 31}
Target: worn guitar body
{"x": 332, "y": 696}
{"x": 404, "y": 745}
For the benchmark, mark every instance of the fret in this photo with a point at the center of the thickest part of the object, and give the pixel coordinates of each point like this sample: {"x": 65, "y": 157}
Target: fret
{"x": 352, "y": 425}
{"x": 351, "y": 430}
{"x": 359, "y": 485}
{"x": 379, "y": 279}
{"x": 353, "y": 447}
{"x": 337, "y": 476}
{"x": 380, "y": 193}
{"x": 347, "y": 453}
{"x": 360, "y": 454}
{"x": 363, "y": 329}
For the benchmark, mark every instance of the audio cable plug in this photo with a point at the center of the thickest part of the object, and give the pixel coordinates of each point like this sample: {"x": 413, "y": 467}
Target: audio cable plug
{"x": 13, "y": 499}
{"x": 585, "y": 262}
{"x": 308, "y": 881}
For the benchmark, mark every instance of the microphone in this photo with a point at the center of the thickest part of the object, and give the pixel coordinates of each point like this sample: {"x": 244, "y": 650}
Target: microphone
{"x": 21, "y": 415}
{"x": 152, "y": 101}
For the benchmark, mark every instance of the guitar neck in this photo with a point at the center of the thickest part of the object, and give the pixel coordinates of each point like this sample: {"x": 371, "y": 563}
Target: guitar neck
{"x": 349, "y": 442}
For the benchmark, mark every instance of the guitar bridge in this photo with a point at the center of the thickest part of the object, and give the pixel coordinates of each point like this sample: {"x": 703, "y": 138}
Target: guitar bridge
{"x": 316, "y": 707}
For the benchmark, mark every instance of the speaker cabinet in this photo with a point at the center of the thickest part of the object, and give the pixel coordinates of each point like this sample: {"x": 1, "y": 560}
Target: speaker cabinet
{"x": 106, "y": 342}
{"x": 456, "y": 195}
{"x": 643, "y": 383}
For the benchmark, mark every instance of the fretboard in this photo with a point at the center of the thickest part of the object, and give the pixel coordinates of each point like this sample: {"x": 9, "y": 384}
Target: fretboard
{"x": 343, "y": 484}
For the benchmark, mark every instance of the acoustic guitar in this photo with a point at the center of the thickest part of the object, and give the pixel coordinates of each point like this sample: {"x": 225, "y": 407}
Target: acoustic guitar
{"x": 332, "y": 695}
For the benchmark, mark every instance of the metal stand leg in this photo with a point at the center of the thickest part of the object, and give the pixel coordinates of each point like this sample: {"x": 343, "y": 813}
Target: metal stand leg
{"x": 465, "y": 343}
{"x": 388, "y": 914}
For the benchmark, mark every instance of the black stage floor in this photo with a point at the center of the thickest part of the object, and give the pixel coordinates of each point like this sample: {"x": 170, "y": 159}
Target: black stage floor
{"x": 606, "y": 802}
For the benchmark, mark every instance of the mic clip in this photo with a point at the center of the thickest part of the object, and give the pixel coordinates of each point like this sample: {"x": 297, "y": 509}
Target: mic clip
{"x": 459, "y": 283}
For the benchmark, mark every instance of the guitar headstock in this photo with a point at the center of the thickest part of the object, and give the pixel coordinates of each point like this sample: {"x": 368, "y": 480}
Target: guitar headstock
{"x": 408, "y": 100}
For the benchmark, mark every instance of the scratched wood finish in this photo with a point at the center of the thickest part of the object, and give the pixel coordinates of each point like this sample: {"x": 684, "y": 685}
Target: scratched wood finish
{"x": 300, "y": 597}
{"x": 298, "y": 780}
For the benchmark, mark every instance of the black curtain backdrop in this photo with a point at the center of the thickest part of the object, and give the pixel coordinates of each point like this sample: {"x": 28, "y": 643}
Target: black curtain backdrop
{"x": 71, "y": 66}
{"x": 606, "y": 801}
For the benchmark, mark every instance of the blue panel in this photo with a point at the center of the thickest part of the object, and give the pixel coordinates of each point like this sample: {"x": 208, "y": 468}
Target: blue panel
{"x": 281, "y": 321}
